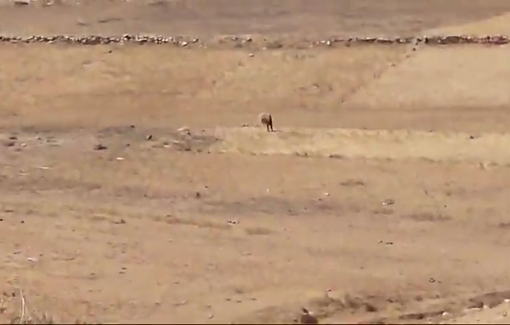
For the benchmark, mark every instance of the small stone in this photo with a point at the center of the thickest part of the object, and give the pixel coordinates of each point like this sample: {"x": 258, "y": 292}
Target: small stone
{"x": 99, "y": 146}
{"x": 185, "y": 130}
{"x": 388, "y": 202}
{"x": 307, "y": 317}
{"x": 181, "y": 303}
{"x": 21, "y": 2}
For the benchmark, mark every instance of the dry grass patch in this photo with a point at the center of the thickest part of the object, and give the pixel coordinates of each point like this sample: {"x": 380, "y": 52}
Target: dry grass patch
{"x": 427, "y": 217}
{"x": 194, "y": 222}
{"x": 497, "y": 25}
{"x": 259, "y": 231}
{"x": 122, "y": 85}
{"x": 351, "y": 182}
{"x": 15, "y": 308}
{"x": 352, "y": 143}
{"x": 178, "y": 17}
{"x": 441, "y": 79}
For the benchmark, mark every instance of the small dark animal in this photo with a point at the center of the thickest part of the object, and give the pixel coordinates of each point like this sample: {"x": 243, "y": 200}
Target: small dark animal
{"x": 267, "y": 120}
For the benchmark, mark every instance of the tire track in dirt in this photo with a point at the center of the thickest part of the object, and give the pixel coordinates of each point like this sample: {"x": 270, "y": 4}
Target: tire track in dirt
{"x": 379, "y": 73}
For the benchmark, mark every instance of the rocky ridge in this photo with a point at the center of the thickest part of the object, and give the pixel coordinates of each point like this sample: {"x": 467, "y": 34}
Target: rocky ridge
{"x": 241, "y": 41}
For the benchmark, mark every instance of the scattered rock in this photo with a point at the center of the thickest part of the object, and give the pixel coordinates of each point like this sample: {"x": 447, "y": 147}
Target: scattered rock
{"x": 184, "y": 130}
{"x": 181, "y": 303}
{"x": 246, "y": 41}
{"x": 21, "y": 2}
{"x": 100, "y": 146}
{"x": 307, "y": 317}
{"x": 9, "y": 143}
{"x": 149, "y": 137}
{"x": 388, "y": 202}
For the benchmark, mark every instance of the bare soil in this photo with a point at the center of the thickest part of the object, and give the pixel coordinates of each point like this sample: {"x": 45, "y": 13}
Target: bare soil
{"x": 138, "y": 186}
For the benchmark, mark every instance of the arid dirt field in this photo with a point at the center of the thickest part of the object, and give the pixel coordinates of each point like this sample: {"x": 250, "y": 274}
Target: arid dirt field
{"x": 383, "y": 197}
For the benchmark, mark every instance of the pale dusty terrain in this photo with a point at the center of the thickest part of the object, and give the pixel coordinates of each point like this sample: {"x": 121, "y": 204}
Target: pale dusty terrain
{"x": 381, "y": 198}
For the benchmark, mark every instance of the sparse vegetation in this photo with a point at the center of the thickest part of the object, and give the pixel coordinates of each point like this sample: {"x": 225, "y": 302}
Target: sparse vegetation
{"x": 111, "y": 208}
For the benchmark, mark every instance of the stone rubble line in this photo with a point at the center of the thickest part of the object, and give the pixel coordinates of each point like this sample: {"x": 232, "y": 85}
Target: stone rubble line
{"x": 184, "y": 41}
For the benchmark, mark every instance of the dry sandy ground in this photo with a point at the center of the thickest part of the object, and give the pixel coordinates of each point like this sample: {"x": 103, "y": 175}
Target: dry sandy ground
{"x": 382, "y": 197}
